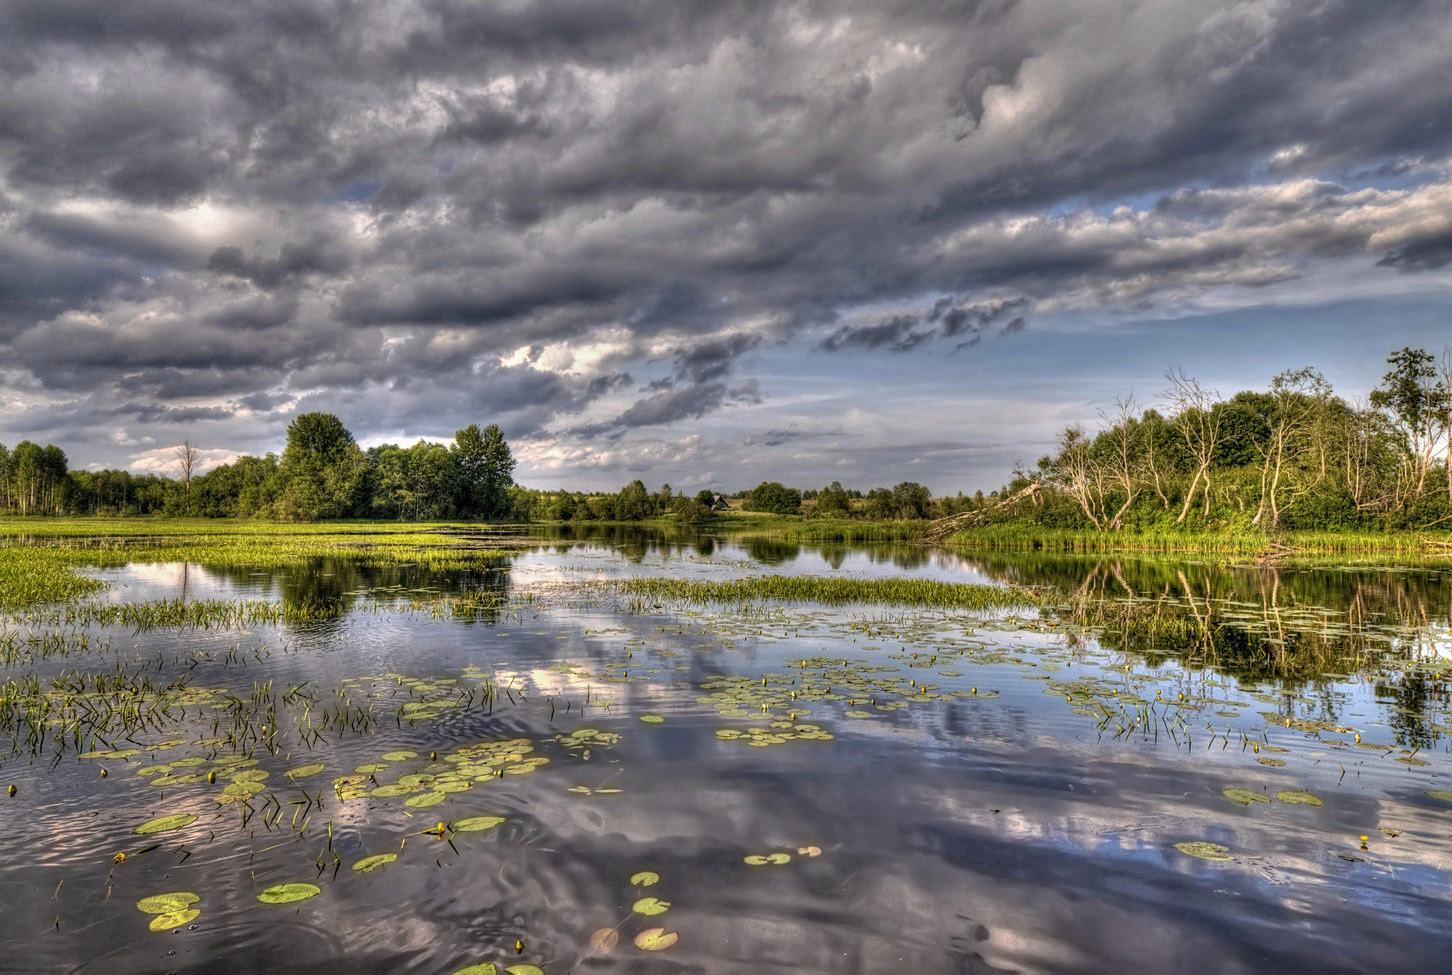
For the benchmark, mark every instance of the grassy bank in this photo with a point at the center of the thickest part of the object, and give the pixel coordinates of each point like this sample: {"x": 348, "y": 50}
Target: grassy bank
{"x": 1233, "y": 544}
{"x": 39, "y": 556}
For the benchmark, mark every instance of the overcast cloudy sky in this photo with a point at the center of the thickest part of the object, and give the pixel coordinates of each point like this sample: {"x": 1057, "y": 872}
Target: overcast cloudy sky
{"x": 704, "y": 241}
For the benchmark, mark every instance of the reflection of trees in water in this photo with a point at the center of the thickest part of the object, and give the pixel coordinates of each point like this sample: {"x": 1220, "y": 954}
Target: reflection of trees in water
{"x": 1304, "y": 627}
{"x": 325, "y": 589}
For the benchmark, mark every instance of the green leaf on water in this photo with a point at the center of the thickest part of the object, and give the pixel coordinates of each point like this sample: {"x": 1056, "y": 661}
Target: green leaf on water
{"x": 1293, "y": 798}
{"x": 650, "y": 906}
{"x": 425, "y": 800}
{"x": 303, "y": 771}
{"x": 1244, "y": 796}
{"x": 646, "y": 878}
{"x": 1441, "y": 794}
{"x": 488, "y": 968}
{"x": 1204, "y": 850}
{"x": 166, "y": 922}
{"x": 1272, "y": 762}
{"x": 389, "y": 791}
{"x": 167, "y": 903}
{"x": 476, "y": 824}
{"x": 399, "y": 756}
{"x": 165, "y": 823}
{"x": 523, "y": 970}
{"x": 655, "y": 939}
{"x": 652, "y": 719}
{"x": 762, "y": 859}
{"x": 369, "y": 864}
{"x": 288, "y": 893}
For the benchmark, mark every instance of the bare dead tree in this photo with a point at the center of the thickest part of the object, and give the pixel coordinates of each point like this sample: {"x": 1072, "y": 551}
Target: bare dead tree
{"x": 1297, "y": 398}
{"x": 1124, "y": 464}
{"x": 1199, "y": 424}
{"x": 186, "y": 462}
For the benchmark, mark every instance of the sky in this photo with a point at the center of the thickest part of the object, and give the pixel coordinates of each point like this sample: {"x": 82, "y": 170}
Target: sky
{"x": 705, "y": 242}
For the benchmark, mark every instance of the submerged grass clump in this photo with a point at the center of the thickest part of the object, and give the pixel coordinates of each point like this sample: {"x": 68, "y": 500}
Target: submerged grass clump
{"x": 834, "y": 592}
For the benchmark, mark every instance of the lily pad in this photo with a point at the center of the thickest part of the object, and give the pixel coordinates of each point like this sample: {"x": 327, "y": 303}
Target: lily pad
{"x": 650, "y": 906}
{"x": 165, "y": 823}
{"x": 656, "y": 939}
{"x": 166, "y": 922}
{"x": 369, "y": 864}
{"x": 1293, "y": 798}
{"x": 167, "y": 903}
{"x": 1272, "y": 762}
{"x": 476, "y": 824}
{"x": 1441, "y": 794}
{"x": 523, "y": 970}
{"x": 1204, "y": 850}
{"x": 1244, "y": 796}
{"x": 288, "y": 893}
{"x": 425, "y": 800}
{"x": 399, "y": 756}
{"x": 652, "y": 719}
{"x": 303, "y": 771}
{"x": 604, "y": 939}
{"x": 488, "y": 968}
{"x": 762, "y": 859}
{"x": 646, "y": 878}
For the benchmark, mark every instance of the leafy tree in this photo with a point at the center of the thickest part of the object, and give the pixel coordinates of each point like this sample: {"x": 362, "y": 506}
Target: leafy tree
{"x": 485, "y": 471}
{"x": 774, "y": 498}
{"x": 832, "y": 502}
{"x": 323, "y": 472}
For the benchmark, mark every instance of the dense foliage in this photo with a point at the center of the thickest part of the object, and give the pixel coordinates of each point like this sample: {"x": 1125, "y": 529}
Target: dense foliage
{"x": 321, "y": 474}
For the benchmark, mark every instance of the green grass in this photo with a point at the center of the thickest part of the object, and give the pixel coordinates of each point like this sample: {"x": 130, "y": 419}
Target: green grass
{"x": 832, "y": 592}
{"x": 1235, "y": 544}
{"x": 38, "y": 557}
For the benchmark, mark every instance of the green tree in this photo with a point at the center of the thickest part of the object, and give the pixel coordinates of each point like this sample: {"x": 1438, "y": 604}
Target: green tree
{"x": 1414, "y": 402}
{"x": 832, "y": 502}
{"x": 774, "y": 498}
{"x": 323, "y": 473}
{"x": 485, "y": 471}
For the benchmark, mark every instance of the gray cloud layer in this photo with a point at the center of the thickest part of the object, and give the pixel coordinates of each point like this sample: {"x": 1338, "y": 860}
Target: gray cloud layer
{"x": 420, "y": 214}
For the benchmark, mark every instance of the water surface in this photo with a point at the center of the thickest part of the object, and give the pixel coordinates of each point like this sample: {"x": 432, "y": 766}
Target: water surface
{"x": 948, "y": 792}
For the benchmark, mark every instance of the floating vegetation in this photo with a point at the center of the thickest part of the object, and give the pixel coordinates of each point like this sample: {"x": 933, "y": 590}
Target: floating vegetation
{"x": 476, "y": 824}
{"x": 767, "y": 859}
{"x": 1244, "y": 796}
{"x": 650, "y": 906}
{"x": 645, "y": 878}
{"x": 170, "y": 911}
{"x": 1204, "y": 850}
{"x": 165, "y": 824}
{"x": 369, "y": 864}
{"x": 656, "y": 939}
{"x": 288, "y": 893}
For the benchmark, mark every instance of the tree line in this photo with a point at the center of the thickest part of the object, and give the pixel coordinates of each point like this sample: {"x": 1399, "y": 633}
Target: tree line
{"x": 1293, "y": 456}
{"x": 321, "y": 474}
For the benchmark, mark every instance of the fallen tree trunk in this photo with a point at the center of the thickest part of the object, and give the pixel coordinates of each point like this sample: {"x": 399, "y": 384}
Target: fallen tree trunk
{"x": 942, "y": 528}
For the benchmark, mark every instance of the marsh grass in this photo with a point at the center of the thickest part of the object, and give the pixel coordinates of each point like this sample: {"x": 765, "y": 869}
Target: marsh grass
{"x": 1292, "y": 546}
{"x": 833, "y": 592}
{"x": 38, "y": 564}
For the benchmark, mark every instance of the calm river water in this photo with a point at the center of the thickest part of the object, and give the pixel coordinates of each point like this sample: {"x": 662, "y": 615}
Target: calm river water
{"x": 1179, "y": 767}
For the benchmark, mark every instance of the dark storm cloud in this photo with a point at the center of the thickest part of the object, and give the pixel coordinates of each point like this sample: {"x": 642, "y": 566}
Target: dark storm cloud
{"x": 902, "y": 333}
{"x": 1422, "y": 255}
{"x": 374, "y": 207}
